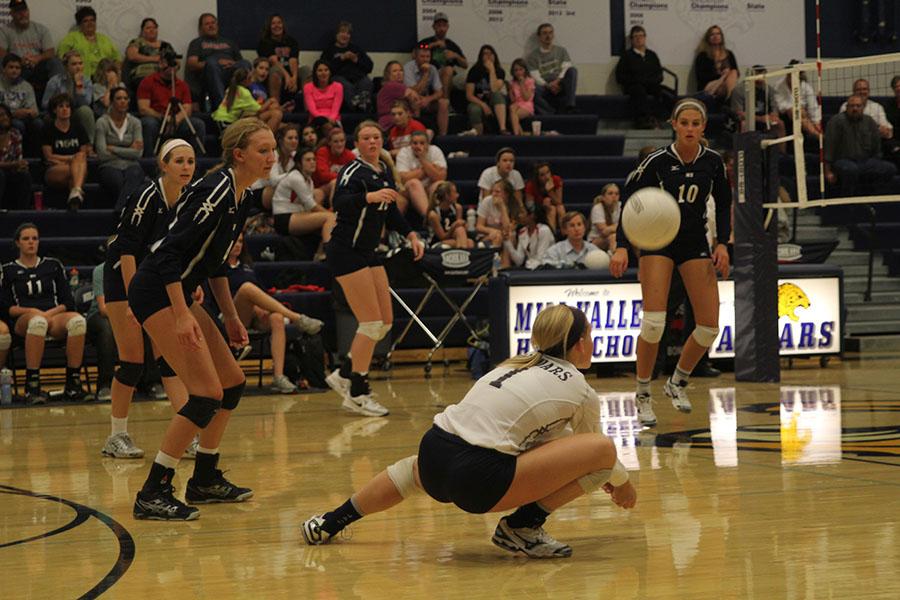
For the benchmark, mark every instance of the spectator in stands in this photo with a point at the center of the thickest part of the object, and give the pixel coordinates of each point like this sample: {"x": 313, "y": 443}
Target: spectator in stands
{"x": 521, "y": 95}
{"x": 546, "y": 188}
{"x": 392, "y": 89}
{"x": 446, "y": 219}
{"x": 32, "y": 42}
{"x": 853, "y": 151}
{"x": 552, "y": 69}
{"x": 871, "y": 109}
{"x": 18, "y": 97}
{"x": 283, "y": 54}
{"x": 329, "y": 160}
{"x": 15, "y": 179}
{"x": 605, "y": 217}
{"x": 811, "y": 112}
{"x": 106, "y": 78}
{"x": 37, "y": 298}
{"x": 323, "y": 96}
{"x": 80, "y": 89}
{"x": 533, "y": 239}
{"x": 297, "y": 204}
{"x": 258, "y": 310}
{"x": 119, "y": 143}
{"x": 92, "y": 45}
{"x": 212, "y": 61}
{"x": 142, "y": 54}
{"x": 766, "y": 110}
{"x": 640, "y": 74}
{"x": 504, "y": 169}
{"x": 309, "y": 138}
{"x": 100, "y": 336}
{"x": 891, "y": 147}
{"x": 65, "y": 147}
{"x": 259, "y": 83}
{"x": 422, "y": 76}
{"x": 715, "y": 67}
{"x": 421, "y": 166}
{"x": 239, "y": 103}
{"x": 153, "y": 97}
{"x": 486, "y": 90}
{"x": 446, "y": 55}
{"x": 494, "y": 223}
{"x": 350, "y": 66}
{"x": 570, "y": 252}
{"x": 400, "y": 133}
{"x": 287, "y": 140}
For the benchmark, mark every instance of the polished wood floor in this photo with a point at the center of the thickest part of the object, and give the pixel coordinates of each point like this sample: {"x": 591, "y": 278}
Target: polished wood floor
{"x": 772, "y": 491}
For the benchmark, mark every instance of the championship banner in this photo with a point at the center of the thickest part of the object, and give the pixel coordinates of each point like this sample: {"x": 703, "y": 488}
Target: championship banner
{"x": 581, "y": 26}
{"x": 767, "y": 32}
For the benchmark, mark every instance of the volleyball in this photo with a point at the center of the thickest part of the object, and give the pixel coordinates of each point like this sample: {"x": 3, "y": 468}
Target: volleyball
{"x": 651, "y": 218}
{"x": 596, "y": 260}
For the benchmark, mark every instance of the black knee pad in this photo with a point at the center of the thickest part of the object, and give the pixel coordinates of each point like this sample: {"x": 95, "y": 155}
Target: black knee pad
{"x": 129, "y": 373}
{"x": 232, "y": 396}
{"x": 199, "y": 410}
{"x": 164, "y": 369}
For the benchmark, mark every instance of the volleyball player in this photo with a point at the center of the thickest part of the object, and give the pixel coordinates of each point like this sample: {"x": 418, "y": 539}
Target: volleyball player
{"x": 365, "y": 199}
{"x": 143, "y": 221}
{"x": 690, "y": 172}
{"x": 526, "y": 436}
{"x": 209, "y": 220}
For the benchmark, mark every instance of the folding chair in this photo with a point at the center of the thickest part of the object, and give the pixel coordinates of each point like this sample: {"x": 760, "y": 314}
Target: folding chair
{"x": 452, "y": 267}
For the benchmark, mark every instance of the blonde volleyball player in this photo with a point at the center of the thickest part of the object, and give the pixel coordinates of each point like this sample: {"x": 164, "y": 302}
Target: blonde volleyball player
{"x": 525, "y": 437}
{"x": 690, "y": 172}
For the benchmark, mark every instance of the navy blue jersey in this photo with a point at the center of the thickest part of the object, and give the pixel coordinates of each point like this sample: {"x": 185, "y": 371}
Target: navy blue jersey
{"x": 144, "y": 220}
{"x": 238, "y": 275}
{"x": 207, "y": 222}
{"x": 690, "y": 184}
{"x": 359, "y": 223}
{"x": 43, "y": 286}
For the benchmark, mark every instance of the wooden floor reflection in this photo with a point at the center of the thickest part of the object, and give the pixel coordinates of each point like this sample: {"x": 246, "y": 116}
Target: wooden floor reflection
{"x": 787, "y": 490}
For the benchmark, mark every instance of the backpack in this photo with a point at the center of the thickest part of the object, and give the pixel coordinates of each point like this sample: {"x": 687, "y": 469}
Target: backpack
{"x": 304, "y": 361}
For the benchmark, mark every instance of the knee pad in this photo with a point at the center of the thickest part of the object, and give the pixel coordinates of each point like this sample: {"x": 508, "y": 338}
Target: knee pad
{"x": 653, "y": 325}
{"x": 371, "y": 329}
{"x": 37, "y": 326}
{"x": 385, "y": 329}
{"x": 402, "y": 474}
{"x": 199, "y": 410}
{"x": 705, "y": 336}
{"x": 593, "y": 481}
{"x": 77, "y": 325}
{"x": 165, "y": 370}
{"x": 5, "y": 341}
{"x": 231, "y": 397}
{"x": 129, "y": 373}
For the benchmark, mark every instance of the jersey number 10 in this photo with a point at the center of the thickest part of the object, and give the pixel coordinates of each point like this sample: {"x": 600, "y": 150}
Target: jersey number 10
{"x": 692, "y": 191}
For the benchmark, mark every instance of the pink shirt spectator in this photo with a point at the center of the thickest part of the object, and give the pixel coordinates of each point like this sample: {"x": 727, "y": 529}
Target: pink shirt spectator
{"x": 515, "y": 94}
{"x": 323, "y": 103}
{"x": 390, "y": 92}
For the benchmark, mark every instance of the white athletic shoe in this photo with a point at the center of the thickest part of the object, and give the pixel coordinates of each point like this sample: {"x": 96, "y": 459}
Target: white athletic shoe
{"x": 119, "y": 445}
{"x": 678, "y": 394}
{"x": 533, "y": 542}
{"x": 339, "y": 384}
{"x": 364, "y": 405}
{"x": 308, "y": 325}
{"x": 645, "y": 409}
{"x": 282, "y": 385}
{"x": 312, "y": 531}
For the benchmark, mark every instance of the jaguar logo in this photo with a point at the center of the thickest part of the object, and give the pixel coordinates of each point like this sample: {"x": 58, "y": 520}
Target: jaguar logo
{"x": 790, "y": 298}
{"x": 455, "y": 259}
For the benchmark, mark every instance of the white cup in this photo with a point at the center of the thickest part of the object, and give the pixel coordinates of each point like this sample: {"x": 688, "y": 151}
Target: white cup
{"x": 535, "y": 127}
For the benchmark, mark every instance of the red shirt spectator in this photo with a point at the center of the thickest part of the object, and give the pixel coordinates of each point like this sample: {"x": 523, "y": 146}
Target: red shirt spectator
{"x": 399, "y": 136}
{"x": 331, "y": 157}
{"x": 158, "y": 91}
{"x": 539, "y": 194}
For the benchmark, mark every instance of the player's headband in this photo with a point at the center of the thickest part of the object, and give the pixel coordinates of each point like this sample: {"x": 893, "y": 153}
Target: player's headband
{"x": 171, "y": 145}
{"x": 692, "y": 105}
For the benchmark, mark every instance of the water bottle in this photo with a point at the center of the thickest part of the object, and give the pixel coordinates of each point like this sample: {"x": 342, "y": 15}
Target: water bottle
{"x": 73, "y": 278}
{"x": 6, "y": 379}
{"x": 39, "y": 200}
{"x": 496, "y": 265}
{"x": 471, "y": 218}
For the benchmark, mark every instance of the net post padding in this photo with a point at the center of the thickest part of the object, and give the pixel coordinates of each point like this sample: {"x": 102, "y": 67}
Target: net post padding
{"x": 755, "y": 271}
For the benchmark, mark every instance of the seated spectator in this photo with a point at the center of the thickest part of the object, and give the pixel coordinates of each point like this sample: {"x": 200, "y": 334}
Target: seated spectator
{"x": 871, "y": 109}
{"x": 422, "y": 77}
{"x": 765, "y": 111}
{"x": 37, "y": 298}
{"x": 640, "y": 74}
{"x": 486, "y": 90}
{"x": 18, "y": 97}
{"x": 494, "y": 223}
{"x": 546, "y": 188}
{"x": 32, "y": 42}
{"x": 556, "y": 78}
{"x": 716, "y": 68}
{"x": 142, "y": 54}
{"x": 350, "y": 66}
{"x": 80, "y": 89}
{"x": 258, "y": 310}
{"x": 92, "y": 45}
{"x": 329, "y": 160}
{"x": 400, "y": 134}
{"x": 322, "y": 96}
{"x": 297, "y": 204}
{"x": 100, "y": 336}
{"x": 309, "y": 138}
{"x": 15, "y": 179}
{"x": 605, "y": 218}
{"x": 239, "y": 103}
{"x": 521, "y": 95}
{"x": 106, "y": 78}
{"x": 65, "y": 147}
{"x": 283, "y": 53}
{"x": 421, "y": 166}
{"x": 119, "y": 144}
{"x": 810, "y": 111}
{"x": 446, "y": 219}
{"x": 572, "y": 250}
{"x": 853, "y": 152}
{"x": 153, "y": 97}
{"x": 532, "y": 240}
{"x": 505, "y": 169}
{"x": 392, "y": 89}
{"x": 212, "y": 61}
{"x": 892, "y": 112}
{"x": 287, "y": 140}
{"x": 446, "y": 55}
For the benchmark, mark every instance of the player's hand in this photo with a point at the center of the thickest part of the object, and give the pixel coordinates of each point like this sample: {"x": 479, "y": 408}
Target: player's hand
{"x": 237, "y": 333}
{"x": 198, "y": 295}
{"x": 381, "y": 196}
{"x": 618, "y": 263}
{"x": 624, "y": 496}
{"x": 416, "y": 244}
{"x": 188, "y": 331}
{"x": 721, "y": 260}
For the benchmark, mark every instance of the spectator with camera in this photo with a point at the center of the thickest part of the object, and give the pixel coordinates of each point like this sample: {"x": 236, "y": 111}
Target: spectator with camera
{"x": 211, "y": 61}
{"x": 30, "y": 41}
{"x": 153, "y": 97}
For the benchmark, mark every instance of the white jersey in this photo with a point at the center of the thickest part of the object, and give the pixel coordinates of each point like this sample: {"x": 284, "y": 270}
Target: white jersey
{"x": 512, "y": 410}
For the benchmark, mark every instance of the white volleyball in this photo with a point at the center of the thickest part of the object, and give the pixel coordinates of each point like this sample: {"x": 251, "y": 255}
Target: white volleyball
{"x": 596, "y": 260}
{"x": 651, "y": 218}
